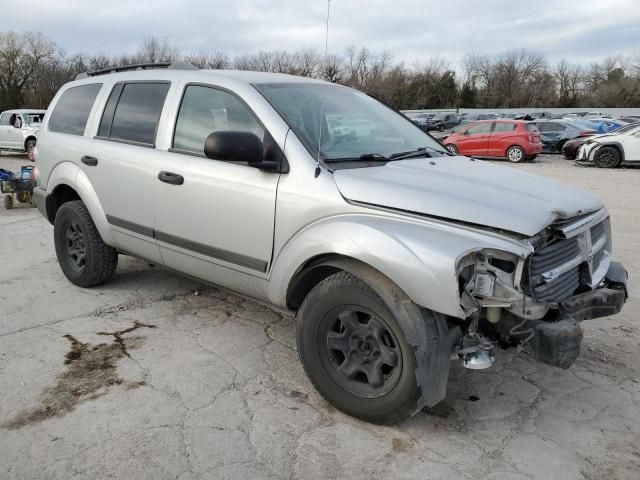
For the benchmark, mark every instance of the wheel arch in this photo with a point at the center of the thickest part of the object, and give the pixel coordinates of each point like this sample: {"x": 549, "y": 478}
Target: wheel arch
{"x": 617, "y": 145}
{"x": 28, "y": 139}
{"x": 68, "y": 182}
{"x": 316, "y": 269}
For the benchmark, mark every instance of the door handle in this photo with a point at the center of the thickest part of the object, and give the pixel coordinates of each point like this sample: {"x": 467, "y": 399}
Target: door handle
{"x": 170, "y": 177}
{"x": 91, "y": 161}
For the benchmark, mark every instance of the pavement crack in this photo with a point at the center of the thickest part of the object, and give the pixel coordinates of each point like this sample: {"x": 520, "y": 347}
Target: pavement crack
{"x": 120, "y": 341}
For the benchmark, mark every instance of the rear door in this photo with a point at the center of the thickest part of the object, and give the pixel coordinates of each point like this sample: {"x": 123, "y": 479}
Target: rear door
{"x": 122, "y": 162}
{"x": 475, "y": 139}
{"x": 220, "y": 215}
{"x": 502, "y": 137}
{"x": 631, "y": 144}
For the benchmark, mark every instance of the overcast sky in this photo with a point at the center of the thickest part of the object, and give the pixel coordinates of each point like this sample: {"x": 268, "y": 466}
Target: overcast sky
{"x": 579, "y": 30}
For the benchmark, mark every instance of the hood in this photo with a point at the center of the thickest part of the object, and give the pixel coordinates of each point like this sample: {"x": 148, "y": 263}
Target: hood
{"x": 467, "y": 190}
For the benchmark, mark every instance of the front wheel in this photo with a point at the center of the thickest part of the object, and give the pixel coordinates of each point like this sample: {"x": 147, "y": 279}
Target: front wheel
{"x": 355, "y": 352}
{"x": 452, "y": 148}
{"x": 515, "y": 154}
{"x": 607, "y": 157}
{"x": 83, "y": 257}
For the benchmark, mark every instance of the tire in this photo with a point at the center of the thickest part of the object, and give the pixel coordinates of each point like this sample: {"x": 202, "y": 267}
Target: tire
{"x": 83, "y": 257}
{"x": 441, "y": 128}
{"x": 561, "y": 146}
{"x": 532, "y": 158}
{"x": 452, "y": 148}
{"x": 355, "y": 353}
{"x": 29, "y": 146}
{"x": 607, "y": 157}
{"x": 516, "y": 154}
{"x": 8, "y": 202}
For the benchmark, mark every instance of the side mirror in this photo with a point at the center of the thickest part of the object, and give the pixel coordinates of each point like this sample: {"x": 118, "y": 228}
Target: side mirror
{"x": 236, "y": 146}
{"x": 17, "y": 123}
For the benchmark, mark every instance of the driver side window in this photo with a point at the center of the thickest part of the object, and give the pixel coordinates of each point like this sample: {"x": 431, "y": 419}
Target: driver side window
{"x": 205, "y": 110}
{"x": 479, "y": 128}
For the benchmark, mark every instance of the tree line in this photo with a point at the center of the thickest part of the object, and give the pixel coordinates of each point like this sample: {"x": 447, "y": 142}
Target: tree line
{"x": 33, "y": 68}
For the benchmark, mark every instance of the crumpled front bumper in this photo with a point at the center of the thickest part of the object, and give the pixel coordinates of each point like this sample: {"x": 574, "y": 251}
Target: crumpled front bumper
{"x": 558, "y": 343}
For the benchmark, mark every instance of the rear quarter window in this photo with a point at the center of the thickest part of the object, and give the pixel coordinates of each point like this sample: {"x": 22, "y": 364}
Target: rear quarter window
{"x": 72, "y": 110}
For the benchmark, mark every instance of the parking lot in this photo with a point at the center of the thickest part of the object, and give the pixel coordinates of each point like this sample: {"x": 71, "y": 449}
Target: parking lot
{"x": 156, "y": 376}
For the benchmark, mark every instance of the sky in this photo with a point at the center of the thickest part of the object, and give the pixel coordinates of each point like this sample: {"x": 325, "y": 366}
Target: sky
{"x": 580, "y": 31}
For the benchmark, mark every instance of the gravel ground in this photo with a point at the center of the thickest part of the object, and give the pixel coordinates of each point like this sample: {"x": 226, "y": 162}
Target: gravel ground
{"x": 155, "y": 376}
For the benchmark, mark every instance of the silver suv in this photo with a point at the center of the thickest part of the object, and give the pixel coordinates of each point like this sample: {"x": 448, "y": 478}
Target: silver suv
{"x": 19, "y": 129}
{"x": 395, "y": 255}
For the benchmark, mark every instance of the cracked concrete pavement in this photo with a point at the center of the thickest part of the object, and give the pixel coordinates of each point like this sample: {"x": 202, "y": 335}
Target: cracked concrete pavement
{"x": 156, "y": 376}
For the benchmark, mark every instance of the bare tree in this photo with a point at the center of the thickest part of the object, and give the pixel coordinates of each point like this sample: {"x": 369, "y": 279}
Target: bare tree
{"x": 155, "y": 50}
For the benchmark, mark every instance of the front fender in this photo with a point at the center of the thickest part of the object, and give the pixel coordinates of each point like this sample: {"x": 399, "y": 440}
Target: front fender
{"x": 420, "y": 256}
{"x": 68, "y": 173}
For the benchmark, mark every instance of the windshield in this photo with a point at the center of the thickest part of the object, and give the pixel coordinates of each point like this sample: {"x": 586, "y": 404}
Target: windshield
{"x": 344, "y": 124}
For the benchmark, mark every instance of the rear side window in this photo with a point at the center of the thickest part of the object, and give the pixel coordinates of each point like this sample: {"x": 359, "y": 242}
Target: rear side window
{"x": 72, "y": 111}
{"x": 133, "y": 111}
{"x": 502, "y": 127}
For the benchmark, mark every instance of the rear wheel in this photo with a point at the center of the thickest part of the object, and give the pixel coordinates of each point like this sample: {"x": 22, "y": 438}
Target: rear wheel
{"x": 515, "y": 154}
{"x": 30, "y": 145}
{"x": 607, "y": 157}
{"x": 83, "y": 257}
{"x": 355, "y": 352}
{"x": 452, "y": 148}
{"x": 8, "y": 202}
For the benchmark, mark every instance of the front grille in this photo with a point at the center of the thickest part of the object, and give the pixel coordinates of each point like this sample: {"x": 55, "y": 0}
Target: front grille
{"x": 597, "y": 232}
{"x": 553, "y": 255}
{"x": 560, "y": 288}
{"x": 563, "y": 266}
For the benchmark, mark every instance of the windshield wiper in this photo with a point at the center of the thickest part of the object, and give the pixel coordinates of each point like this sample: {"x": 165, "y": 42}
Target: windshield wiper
{"x": 417, "y": 153}
{"x": 364, "y": 156}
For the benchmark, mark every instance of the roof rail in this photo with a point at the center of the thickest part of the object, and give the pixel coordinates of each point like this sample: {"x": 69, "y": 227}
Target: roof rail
{"x": 138, "y": 66}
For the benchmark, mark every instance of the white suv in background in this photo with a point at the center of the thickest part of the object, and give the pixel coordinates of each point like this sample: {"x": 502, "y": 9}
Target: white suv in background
{"x": 19, "y": 129}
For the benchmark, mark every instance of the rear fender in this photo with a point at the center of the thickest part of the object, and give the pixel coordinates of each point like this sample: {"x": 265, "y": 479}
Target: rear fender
{"x": 68, "y": 173}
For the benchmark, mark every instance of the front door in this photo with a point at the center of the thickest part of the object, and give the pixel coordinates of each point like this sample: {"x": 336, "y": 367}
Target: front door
{"x": 213, "y": 216}
{"x": 5, "y": 126}
{"x": 631, "y": 145}
{"x": 475, "y": 140}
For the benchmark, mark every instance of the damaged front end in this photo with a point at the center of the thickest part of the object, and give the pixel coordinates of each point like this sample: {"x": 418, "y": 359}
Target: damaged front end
{"x": 539, "y": 300}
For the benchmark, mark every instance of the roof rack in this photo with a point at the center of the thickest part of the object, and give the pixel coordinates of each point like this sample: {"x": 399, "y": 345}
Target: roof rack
{"x": 138, "y": 66}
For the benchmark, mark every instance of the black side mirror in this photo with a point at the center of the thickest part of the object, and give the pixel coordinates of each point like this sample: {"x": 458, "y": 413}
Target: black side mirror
{"x": 236, "y": 146}
{"x": 17, "y": 122}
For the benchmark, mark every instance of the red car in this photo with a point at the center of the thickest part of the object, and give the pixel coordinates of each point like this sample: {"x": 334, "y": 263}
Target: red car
{"x": 514, "y": 140}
